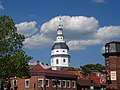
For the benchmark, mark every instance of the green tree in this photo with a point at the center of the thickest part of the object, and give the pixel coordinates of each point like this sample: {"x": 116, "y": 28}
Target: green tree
{"x": 88, "y": 68}
{"x": 13, "y": 60}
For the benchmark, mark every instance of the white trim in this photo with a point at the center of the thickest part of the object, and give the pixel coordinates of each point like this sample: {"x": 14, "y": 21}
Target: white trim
{"x": 68, "y": 81}
{"x": 27, "y": 86}
{"x": 60, "y": 83}
{"x": 48, "y": 82}
{"x": 65, "y": 83}
{"x": 74, "y": 84}
{"x": 52, "y": 82}
{"x": 14, "y": 83}
{"x": 41, "y": 85}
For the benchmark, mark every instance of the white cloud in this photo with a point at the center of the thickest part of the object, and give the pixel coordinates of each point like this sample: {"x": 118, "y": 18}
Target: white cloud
{"x": 37, "y": 42}
{"x": 83, "y": 44}
{"x": 108, "y": 32}
{"x": 77, "y": 25}
{"x": 99, "y": 1}
{"x": 1, "y": 6}
{"x": 26, "y": 28}
{"x": 80, "y": 32}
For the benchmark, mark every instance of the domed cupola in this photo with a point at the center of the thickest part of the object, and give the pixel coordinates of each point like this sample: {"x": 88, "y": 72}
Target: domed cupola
{"x": 60, "y": 46}
{"x": 60, "y": 51}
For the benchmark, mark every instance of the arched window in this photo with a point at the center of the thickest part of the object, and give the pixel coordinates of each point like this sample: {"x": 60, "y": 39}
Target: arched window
{"x": 63, "y": 60}
{"x": 57, "y": 61}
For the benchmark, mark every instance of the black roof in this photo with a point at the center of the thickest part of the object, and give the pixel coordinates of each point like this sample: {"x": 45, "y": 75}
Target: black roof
{"x": 60, "y": 46}
{"x": 59, "y": 29}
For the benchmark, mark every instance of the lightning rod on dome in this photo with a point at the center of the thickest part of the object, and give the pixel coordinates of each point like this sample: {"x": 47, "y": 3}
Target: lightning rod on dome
{"x": 60, "y": 22}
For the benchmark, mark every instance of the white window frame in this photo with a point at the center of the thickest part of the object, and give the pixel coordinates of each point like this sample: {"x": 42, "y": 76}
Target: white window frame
{"x": 27, "y": 86}
{"x": 52, "y": 82}
{"x": 60, "y": 83}
{"x": 14, "y": 83}
{"x": 48, "y": 83}
{"x": 65, "y": 84}
{"x": 57, "y": 61}
{"x": 64, "y": 60}
{"x": 68, "y": 81}
{"x": 39, "y": 79}
{"x": 74, "y": 84}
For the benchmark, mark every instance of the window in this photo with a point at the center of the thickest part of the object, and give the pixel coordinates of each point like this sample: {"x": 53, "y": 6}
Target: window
{"x": 68, "y": 83}
{"x": 53, "y": 83}
{"x": 63, "y": 60}
{"x": 51, "y": 60}
{"x": 47, "y": 82}
{"x": 14, "y": 82}
{"x": 63, "y": 50}
{"x": 27, "y": 83}
{"x": 64, "y": 83}
{"x": 73, "y": 84}
{"x": 57, "y": 51}
{"x": 40, "y": 82}
{"x": 59, "y": 83}
{"x": 107, "y": 63}
{"x": 57, "y": 61}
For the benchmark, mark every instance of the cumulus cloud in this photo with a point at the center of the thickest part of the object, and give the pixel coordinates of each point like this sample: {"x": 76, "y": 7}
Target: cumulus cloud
{"x": 80, "y": 32}
{"x": 75, "y": 25}
{"x": 108, "y": 32}
{"x": 27, "y": 28}
{"x": 99, "y": 1}
{"x": 37, "y": 42}
{"x": 1, "y": 6}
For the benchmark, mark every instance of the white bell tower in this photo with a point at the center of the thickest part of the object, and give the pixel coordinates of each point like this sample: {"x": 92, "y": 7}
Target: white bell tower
{"x": 60, "y": 51}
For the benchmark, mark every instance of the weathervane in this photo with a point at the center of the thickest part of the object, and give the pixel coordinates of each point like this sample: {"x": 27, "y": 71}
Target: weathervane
{"x": 60, "y": 22}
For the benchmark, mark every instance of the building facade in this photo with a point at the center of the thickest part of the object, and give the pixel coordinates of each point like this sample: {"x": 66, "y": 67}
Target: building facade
{"x": 112, "y": 63}
{"x": 60, "y": 52}
{"x": 46, "y": 79}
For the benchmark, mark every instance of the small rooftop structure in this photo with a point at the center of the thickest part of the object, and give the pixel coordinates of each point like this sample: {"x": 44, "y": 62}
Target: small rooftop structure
{"x": 43, "y": 65}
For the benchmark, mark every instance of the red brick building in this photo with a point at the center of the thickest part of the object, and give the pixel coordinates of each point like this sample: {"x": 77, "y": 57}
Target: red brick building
{"x": 112, "y": 62}
{"x": 47, "y": 79}
{"x": 90, "y": 83}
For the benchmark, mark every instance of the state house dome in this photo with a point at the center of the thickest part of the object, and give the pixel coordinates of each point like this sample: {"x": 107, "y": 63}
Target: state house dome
{"x": 60, "y": 46}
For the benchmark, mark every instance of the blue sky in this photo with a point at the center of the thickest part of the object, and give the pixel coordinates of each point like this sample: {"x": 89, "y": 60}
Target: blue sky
{"x": 87, "y": 24}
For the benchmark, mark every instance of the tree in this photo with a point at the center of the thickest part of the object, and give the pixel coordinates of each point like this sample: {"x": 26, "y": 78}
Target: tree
{"x": 88, "y": 68}
{"x": 13, "y": 60}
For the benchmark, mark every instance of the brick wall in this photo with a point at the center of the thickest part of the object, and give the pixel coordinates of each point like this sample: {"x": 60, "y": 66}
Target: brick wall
{"x": 34, "y": 84}
{"x": 114, "y": 65}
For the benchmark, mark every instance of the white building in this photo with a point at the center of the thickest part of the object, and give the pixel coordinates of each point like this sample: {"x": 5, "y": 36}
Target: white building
{"x": 60, "y": 52}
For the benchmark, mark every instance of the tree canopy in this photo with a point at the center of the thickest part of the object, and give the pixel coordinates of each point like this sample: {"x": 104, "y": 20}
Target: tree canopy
{"x": 88, "y": 68}
{"x": 13, "y": 60}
